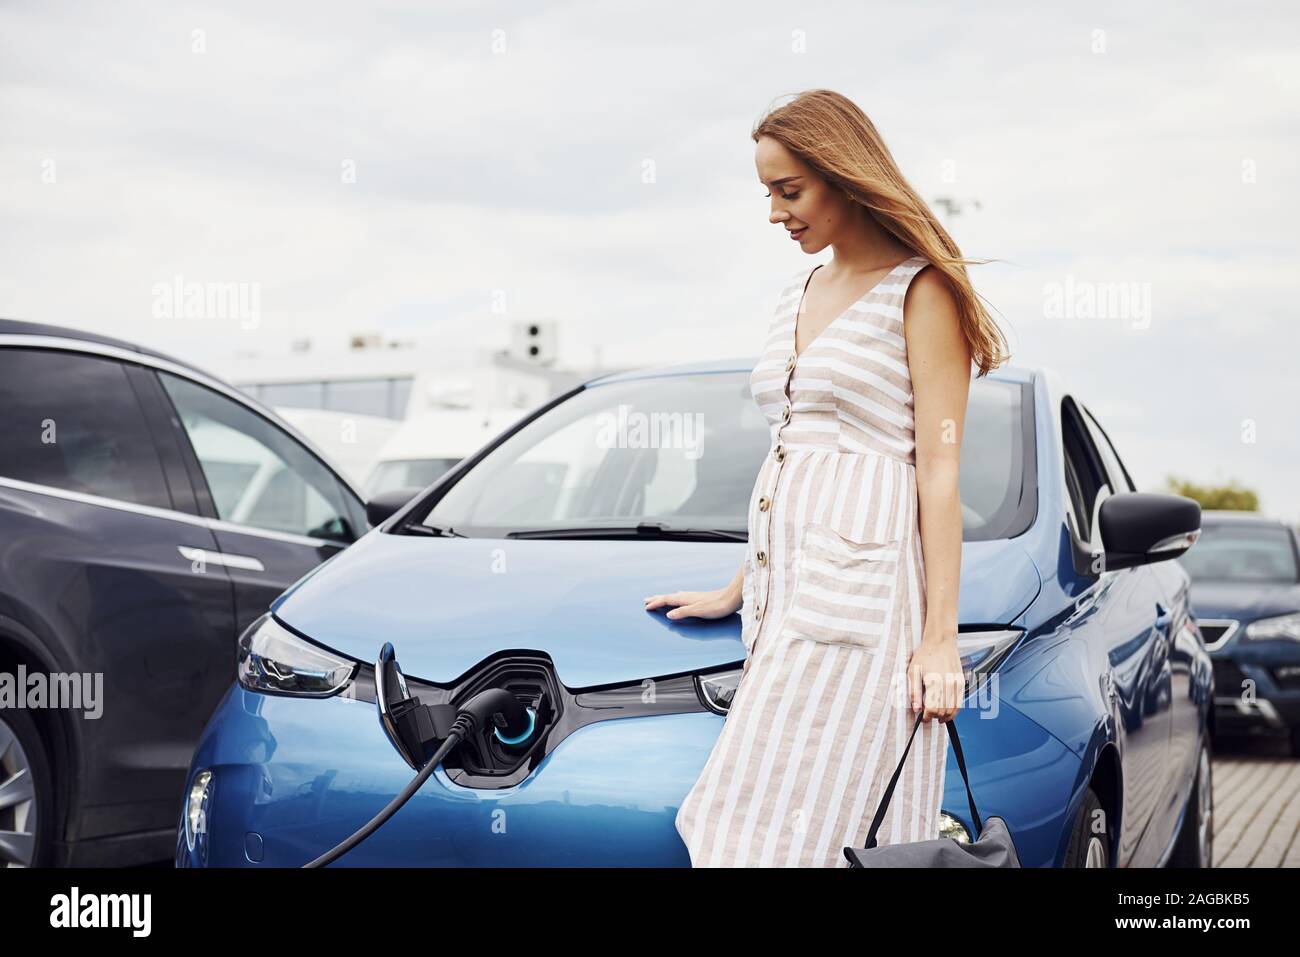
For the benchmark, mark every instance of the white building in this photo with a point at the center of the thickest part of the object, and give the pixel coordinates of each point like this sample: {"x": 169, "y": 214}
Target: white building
{"x": 454, "y": 390}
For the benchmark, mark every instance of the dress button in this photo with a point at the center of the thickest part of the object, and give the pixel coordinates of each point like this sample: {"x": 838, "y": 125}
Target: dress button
{"x": 785, "y": 414}
{"x": 762, "y": 558}
{"x": 763, "y": 503}
{"x": 758, "y": 612}
{"x": 789, "y": 364}
{"x": 778, "y": 453}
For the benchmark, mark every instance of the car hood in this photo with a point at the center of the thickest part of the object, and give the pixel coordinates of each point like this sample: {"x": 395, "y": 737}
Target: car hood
{"x": 1244, "y": 601}
{"x": 448, "y": 603}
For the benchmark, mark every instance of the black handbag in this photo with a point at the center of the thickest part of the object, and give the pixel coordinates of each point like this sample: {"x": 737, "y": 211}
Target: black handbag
{"x": 993, "y": 847}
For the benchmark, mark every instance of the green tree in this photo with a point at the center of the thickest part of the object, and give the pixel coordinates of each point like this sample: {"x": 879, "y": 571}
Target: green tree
{"x": 1230, "y": 496}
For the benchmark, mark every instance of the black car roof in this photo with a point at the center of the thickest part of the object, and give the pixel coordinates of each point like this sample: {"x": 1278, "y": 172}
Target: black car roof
{"x": 19, "y": 327}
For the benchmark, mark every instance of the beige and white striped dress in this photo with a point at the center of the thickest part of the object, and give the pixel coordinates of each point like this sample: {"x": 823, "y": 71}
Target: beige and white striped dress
{"x": 834, "y": 603}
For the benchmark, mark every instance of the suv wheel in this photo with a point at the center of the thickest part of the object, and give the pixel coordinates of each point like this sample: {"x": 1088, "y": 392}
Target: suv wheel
{"x": 1089, "y": 849}
{"x": 1195, "y": 846}
{"x": 26, "y": 790}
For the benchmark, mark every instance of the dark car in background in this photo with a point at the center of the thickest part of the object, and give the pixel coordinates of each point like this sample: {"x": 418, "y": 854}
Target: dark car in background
{"x": 1245, "y": 573}
{"x": 148, "y": 514}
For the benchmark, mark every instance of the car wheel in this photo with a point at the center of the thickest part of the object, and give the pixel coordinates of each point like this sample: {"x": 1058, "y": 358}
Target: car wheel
{"x": 1087, "y": 848}
{"x": 26, "y": 793}
{"x": 1195, "y": 845}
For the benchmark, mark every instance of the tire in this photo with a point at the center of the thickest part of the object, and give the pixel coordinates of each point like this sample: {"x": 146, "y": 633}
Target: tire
{"x": 1088, "y": 849}
{"x": 1195, "y": 844}
{"x": 26, "y": 826}
{"x": 1295, "y": 742}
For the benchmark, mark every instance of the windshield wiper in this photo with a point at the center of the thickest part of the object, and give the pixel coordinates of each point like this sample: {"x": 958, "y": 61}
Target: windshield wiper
{"x": 640, "y": 530}
{"x": 433, "y": 531}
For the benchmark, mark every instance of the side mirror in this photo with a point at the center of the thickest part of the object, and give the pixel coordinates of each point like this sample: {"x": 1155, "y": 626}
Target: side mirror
{"x": 335, "y": 530}
{"x": 1138, "y": 528}
{"x": 386, "y": 504}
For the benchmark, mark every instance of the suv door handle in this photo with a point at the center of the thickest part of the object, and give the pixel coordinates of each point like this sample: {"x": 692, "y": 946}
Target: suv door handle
{"x": 246, "y": 562}
{"x": 1163, "y": 616}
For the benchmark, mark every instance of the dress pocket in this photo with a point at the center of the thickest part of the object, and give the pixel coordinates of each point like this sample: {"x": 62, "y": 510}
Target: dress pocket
{"x": 844, "y": 589}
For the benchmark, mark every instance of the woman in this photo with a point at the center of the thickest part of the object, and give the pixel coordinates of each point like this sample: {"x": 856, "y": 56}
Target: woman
{"x": 849, "y": 585}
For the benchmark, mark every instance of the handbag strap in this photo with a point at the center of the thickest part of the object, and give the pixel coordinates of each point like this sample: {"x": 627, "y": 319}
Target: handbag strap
{"x": 889, "y": 791}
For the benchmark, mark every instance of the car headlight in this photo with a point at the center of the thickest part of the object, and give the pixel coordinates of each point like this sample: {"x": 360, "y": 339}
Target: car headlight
{"x": 950, "y": 826}
{"x": 980, "y": 651}
{"x": 274, "y": 660}
{"x": 1283, "y": 626}
{"x": 717, "y": 689}
{"x": 196, "y": 809}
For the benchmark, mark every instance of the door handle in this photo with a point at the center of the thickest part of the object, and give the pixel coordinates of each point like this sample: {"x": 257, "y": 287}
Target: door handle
{"x": 203, "y": 555}
{"x": 1163, "y": 616}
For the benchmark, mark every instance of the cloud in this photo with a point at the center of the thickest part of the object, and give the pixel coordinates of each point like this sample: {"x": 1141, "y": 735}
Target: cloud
{"x": 593, "y": 162}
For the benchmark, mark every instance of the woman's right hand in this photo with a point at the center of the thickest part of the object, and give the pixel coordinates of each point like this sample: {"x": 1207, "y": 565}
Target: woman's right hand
{"x": 698, "y": 604}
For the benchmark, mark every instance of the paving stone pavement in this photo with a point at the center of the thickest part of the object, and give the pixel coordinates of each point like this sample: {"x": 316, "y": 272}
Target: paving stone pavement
{"x": 1256, "y": 804}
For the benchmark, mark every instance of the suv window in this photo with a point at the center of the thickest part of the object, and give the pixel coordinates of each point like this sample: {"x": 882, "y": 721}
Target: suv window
{"x": 73, "y": 422}
{"x": 1119, "y": 477}
{"x": 257, "y": 474}
{"x": 1242, "y": 552}
{"x": 1085, "y": 477}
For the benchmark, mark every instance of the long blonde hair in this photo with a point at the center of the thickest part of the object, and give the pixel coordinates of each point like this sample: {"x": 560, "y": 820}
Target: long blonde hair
{"x": 831, "y": 134}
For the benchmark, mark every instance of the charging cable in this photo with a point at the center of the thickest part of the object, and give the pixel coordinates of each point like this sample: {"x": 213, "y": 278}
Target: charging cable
{"x": 493, "y": 704}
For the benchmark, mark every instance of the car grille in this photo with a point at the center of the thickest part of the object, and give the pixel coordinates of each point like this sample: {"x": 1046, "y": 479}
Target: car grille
{"x": 1287, "y": 677}
{"x": 1229, "y": 680}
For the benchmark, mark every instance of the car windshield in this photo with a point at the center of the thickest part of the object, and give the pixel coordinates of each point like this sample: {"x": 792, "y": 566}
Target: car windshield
{"x": 683, "y": 452}
{"x": 406, "y": 473}
{"x": 1236, "y": 551}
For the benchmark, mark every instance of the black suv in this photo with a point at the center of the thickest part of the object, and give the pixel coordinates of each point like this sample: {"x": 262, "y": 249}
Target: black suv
{"x": 148, "y": 513}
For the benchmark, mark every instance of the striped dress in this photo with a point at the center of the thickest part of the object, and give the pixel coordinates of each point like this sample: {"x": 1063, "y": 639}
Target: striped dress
{"x": 834, "y": 603}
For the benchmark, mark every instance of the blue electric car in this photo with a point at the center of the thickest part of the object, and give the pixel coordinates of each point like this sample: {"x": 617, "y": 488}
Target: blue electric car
{"x": 525, "y": 568}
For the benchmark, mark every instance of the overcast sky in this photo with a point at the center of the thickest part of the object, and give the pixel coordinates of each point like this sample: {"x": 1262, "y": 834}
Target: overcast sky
{"x": 394, "y": 167}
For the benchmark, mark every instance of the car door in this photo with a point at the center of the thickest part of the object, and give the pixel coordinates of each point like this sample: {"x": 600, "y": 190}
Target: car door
{"x": 1167, "y": 585}
{"x": 278, "y": 510}
{"x": 1130, "y": 628}
{"x": 95, "y": 519}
